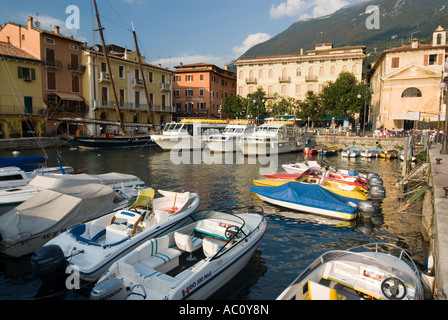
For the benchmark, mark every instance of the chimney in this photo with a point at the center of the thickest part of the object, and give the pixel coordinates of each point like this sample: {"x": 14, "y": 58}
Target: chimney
{"x": 8, "y": 40}
{"x": 414, "y": 43}
{"x": 56, "y": 29}
{"x": 30, "y": 22}
{"x": 301, "y": 51}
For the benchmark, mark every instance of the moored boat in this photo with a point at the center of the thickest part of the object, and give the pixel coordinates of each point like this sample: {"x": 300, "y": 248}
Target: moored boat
{"x": 389, "y": 154}
{"x": 375, "y": 271}
{"x": 93, "y": 246}
{"x": 191, "y": 262}
{"x": 234, "y": 131}
{"x": 351, "y": 152}
{"x": 329, "y": 151}
{"x": 314, "y": 150}
{"x": 374, "y": 152}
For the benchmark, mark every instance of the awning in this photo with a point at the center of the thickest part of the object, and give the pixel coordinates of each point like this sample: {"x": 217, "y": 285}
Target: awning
{"x": 69, "y": 96}
{"x": 436, "y": 118}
{"x": 411, "y": 115}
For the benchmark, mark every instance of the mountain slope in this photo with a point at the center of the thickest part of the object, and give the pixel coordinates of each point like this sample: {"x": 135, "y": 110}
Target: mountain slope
{"x": 399, "y": 20}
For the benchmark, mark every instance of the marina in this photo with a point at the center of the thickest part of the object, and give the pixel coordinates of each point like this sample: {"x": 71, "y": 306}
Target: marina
{"x": 292, "y": 239}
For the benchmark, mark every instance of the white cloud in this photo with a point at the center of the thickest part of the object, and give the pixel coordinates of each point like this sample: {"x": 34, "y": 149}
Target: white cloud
{"x": 250, "y": 41}
{"x": 304, "y": 9}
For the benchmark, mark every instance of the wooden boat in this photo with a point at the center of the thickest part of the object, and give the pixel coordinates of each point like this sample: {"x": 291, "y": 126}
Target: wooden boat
{"x": 375, "y": 271}
{"x": 389, "y": 154}
{"x": 314, "y": 150}
{"x": 329, "y": 151}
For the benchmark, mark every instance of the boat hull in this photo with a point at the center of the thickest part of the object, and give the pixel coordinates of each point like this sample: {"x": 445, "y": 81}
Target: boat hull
{"x": 114, "y": 142}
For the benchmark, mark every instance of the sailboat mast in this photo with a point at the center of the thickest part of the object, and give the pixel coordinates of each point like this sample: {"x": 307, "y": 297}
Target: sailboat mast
{"x": 106, "y": 56}
{"x": 148, "y": 100}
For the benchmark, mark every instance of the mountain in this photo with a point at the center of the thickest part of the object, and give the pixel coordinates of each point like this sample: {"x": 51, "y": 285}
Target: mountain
{"x": 398, "y": 21}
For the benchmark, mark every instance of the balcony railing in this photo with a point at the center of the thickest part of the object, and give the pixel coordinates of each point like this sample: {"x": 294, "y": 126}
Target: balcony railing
{"x": 284, "y": 79}
{"x": 104, "y": 76}
{"x": 137, "y": 82}
{"x": 165, "y": 86}
{"x": 311, "y": 78}
{"x": 76, "y": 68}
{"x": 52, "y": 64}
{"x": 20, "y": 110}
{"x": 251, "y": 81}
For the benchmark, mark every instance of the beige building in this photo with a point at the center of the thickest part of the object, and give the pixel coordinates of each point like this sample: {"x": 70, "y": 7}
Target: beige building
{"x": 294, "y": 75}
{"x": 406, "y": 83}
{"x": 128, "y": 80}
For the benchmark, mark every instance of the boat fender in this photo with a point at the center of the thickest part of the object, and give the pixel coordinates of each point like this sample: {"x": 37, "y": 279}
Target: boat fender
{"x": 377, "y": 192}
{"x": 49, "y": 263}
{"x": 113, "y": 289}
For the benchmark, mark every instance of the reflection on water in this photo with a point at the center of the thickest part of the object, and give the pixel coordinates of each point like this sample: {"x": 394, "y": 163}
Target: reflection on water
{"x": 292, "y": 240}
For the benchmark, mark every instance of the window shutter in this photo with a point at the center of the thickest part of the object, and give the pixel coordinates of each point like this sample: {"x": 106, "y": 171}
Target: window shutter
{"x": 20, "y": 72}
{"x": 425, "y": 60}
{"x": 440, "y": 59}
{"x": 33, "y": 74}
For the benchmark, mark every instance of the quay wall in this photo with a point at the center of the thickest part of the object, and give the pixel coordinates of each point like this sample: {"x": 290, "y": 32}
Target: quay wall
{"x": 363, "y": 142}
{"x": 32, "y": 143}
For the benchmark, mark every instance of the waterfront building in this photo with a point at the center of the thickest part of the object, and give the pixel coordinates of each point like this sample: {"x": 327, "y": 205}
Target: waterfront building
{"x": 200, "y": 89}
{"x": 408, "y": 85}
{"x": 21, "y": 104}
{"x": 294, "y": 75}
{"x": 128, "y": 80}
{"x": 61, "y": 68}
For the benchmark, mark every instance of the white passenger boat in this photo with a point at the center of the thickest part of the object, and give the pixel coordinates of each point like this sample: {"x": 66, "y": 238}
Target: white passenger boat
{"x": 12, "y": 197}
{"x": 226, "y": 142}
{"x": 374, "y": 152}
{"x": 368, "y": 272}
{"x": 189, "y": 134}
{"x": 93, "y": 246}
{"x": 189, "y": 263}
{"x": 33, "y": 223}
{"x": 351, "y": 152}
{"x": 275, "y": 137}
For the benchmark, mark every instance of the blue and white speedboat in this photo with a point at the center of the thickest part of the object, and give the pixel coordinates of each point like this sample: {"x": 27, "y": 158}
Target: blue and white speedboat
{"x": 351, "y": 152}
{"x": 92, "y": 247}
{"x": 191, "y": 262}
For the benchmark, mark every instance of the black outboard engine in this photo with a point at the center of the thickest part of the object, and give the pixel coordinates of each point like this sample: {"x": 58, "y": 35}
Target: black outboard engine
{"x": 375, "y": 181}
{"x": 377, "y": 192}
{"x": 113, "y": 289}
{"x": 49, "y": 263}
{"x": 366, "y": 207}
{"x": 371, "y": 174}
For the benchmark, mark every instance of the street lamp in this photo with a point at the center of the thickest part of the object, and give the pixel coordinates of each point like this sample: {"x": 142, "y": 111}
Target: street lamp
{"x": 441, "y": 86}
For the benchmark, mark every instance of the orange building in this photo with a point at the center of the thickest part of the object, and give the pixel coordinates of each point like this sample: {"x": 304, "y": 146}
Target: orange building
{"x": 61, "y": 67}
{"x": 199, "y": 90}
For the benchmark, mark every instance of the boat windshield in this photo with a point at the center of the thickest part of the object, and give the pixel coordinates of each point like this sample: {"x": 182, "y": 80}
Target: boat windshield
{"x": 172, "y": 127}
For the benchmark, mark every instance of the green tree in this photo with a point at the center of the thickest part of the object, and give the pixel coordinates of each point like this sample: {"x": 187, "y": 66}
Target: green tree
{"x": 256, "y": 104}
{"x": 311, "y": 108}
{"x": 340, "y": 98}
{"x": 234, "y": 107}
{"x": 283, "y": 105}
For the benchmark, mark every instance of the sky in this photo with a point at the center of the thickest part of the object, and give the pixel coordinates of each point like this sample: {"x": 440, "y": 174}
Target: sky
{"x": 171, "y": 32}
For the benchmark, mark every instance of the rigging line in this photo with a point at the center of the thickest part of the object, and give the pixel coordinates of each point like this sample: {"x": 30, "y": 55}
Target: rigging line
{"x": 121, "y": 18}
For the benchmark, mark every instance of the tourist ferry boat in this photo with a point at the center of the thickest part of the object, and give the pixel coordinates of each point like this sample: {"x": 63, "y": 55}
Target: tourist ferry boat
{"x": 188, "y": 134}
{"x": 226, "y": 142}
{"x": 275, "y": 136}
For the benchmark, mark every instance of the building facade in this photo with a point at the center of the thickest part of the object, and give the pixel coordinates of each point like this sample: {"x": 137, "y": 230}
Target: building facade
{"x": 21, "y": 104}
{"x": 128, "y": 81}
{"x": 294, "y": 75}
{"x": 408, "y": 85}
{"x": 61, "y": 68}
{"x": 199, "y": 90}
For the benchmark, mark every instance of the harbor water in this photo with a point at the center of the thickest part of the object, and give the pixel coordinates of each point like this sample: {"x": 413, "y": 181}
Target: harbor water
{"x": 292, "y": 240}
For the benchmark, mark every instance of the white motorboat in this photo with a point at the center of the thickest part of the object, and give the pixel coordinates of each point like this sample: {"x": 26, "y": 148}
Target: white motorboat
{"x": 226, "y": 142}
{"x": 301, "y": 167}
{"x": 351, "y": 152}
{"x": 191, "y": 262}
{"x": 373, "y": 271}
{"x": 31, "y": 224}
{"x": 189, "y": 134}
{"x": 275, "y": 137}
{"x": 374, "y": 152}
{"x": 12, "y": 197}
{"x": 92, "y": 247}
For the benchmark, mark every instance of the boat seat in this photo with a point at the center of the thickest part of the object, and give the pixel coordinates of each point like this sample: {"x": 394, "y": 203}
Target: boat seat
{"x": 211, "y": 246}
{"x": 187, "y": 243}
{"x": 318, "y": 291}
{"x": 157, "y": 255}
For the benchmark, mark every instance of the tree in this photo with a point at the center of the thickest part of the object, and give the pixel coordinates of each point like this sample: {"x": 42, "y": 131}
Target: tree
{"x": 283, "y": 105}
{"x": 340, "y": 98}
{"x": 234, "y": 107}
{"x": 256, "y": 104}
{"x": 311, "y": 108}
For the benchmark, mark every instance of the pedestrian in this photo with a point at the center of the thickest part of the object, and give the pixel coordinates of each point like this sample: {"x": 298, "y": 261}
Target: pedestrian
{"x": 358, "y": 129}
{"x": 340, "y": 130}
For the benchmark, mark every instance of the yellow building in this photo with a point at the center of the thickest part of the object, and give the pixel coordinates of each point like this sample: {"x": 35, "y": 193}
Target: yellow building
{"x": 294, "y": 75}
{"x": 98, "y": 93}
{"x": 21, "y": 103}
{"x": 408, "y": 84}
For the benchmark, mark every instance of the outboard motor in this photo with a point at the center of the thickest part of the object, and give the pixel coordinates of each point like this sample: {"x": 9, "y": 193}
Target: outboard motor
{"x": 371, "y": 175}
{"x": 113, "y": 289}
{"x": 366, "y": 207}
{"x": 377, "y": 192}
{"x": 375, "y": 181}
{"x": 49, "y": 263}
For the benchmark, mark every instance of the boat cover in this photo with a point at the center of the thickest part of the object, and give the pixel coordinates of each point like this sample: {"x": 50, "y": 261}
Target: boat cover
{"x": 63, "y": 181}
{"x": 311, "y": 195}
{"x": 24, "y": 163}
{"x": 55, "y": 210}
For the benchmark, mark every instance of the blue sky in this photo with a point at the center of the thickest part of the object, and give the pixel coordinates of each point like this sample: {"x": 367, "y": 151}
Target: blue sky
{"x": 175, "y": 31}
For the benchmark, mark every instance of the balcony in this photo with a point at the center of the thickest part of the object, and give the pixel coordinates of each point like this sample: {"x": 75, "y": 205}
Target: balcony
{"x": 165, "y": 86}
{"x": 56, "y": 64}
{"x": 284, "y": 79}
{"x": 251, "y": 81}
{"x": 104, "y": 76}
{"x": 137, "y": 82}
{"x": 311, "y": 79}
{"x": 76, "y": 68}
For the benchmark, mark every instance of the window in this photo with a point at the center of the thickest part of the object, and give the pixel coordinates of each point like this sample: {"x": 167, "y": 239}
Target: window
{"x": 176, "y": 93}
{"x": 122, "y": 97}
{"x": 121, "y": 72}
{"x": 189, "y": 92}
{"x": 73, "y": 47}
{"x": 150, "y": 77}
{"x": 51, "y": 81}
{"x": 26, "y": 73}
{"x": 201, "y": 77}
{"x": 28, "y": 105}
{"x": 201, "y": 92}
{"x": 176, "y": 78}
{"x": 189, "y": 77}
{"x": 395, "y": 62}
{"x": 432, "y": 59}
{"x": 411, "y": 93}
{"x": 49, "y": 41}
{"x": 75, "y": 84}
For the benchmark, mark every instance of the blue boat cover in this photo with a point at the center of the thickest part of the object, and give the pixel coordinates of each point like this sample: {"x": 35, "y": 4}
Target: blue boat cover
{"x": 24, "y": 163}
{"x": 311, "y": 195}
